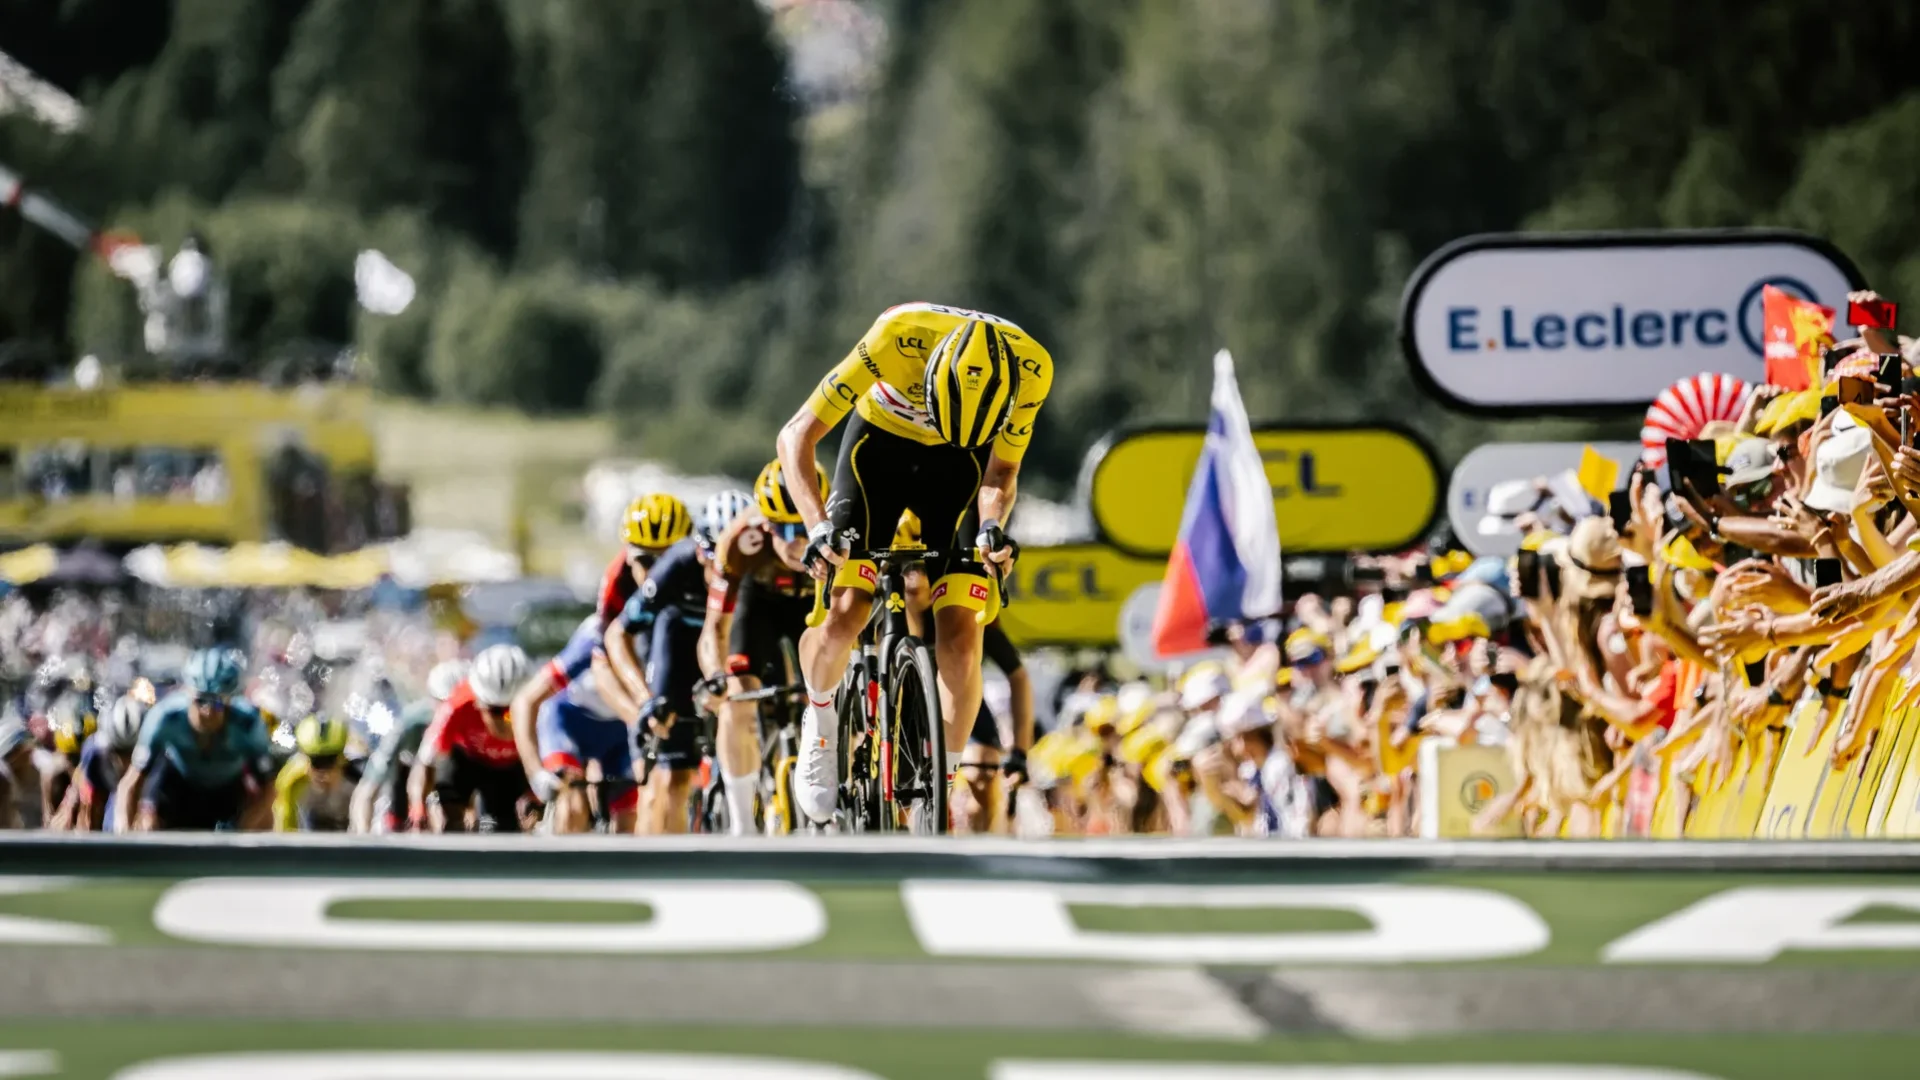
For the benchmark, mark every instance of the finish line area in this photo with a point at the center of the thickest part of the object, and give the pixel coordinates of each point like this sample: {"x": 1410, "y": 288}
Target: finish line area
{"x": 450, "y": 958}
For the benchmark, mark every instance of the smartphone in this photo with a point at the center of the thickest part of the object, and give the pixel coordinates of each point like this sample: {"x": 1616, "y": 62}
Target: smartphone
{"x": 1526, "y": 568}
{"x": 1640, "y": 591}
{"x": 1693, "y": 459}
{"x": 1620, "y": 509}
{"x": 1757, "y": 673}
{"x": 1828, "y": 404}
{"x": 1889, "y": 374}
{"x": 1855, "y": 391}
{"x": 1876, "y": 313}
{"x": 1826, "y": 572}
{"x": 1552, "y": 567}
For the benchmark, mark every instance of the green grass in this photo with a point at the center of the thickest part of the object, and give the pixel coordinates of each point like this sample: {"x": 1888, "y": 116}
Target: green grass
{"x": 1107, "y": 918}
{"x": 511, "y": 911}
{"x": 1880, "y": 914}
{"x": 92, "y": 1049}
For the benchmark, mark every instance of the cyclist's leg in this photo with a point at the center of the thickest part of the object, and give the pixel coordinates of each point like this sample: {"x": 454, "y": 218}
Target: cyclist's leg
{"x": 673, "y": 667}
{"x": 979, "y": 765}
{"x": 556, "y": 730}
{"x": 737, "y": 740}
{"x": 949, "y": 484}
{"x": 610, "y": 744}
{"x": 454, "y": 783}
{"x": 871, "y": 477}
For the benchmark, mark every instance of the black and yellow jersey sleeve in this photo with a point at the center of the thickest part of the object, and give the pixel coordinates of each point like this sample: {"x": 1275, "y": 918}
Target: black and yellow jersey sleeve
{"x": 883, "y": 376}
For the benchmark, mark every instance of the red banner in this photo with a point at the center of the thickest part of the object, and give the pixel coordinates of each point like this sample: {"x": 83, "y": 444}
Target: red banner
{"x": 1796, "y": 330}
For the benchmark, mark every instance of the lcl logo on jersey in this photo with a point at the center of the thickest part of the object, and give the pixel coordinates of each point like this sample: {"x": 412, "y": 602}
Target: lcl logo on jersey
{"x": 911, "y": 344}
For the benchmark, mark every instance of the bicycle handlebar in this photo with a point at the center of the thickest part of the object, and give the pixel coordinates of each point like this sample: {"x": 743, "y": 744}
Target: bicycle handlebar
{"x": 996, "y": 596}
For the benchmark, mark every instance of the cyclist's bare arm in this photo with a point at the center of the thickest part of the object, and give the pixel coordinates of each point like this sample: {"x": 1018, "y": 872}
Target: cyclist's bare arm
{"x": 522, "y": 714}
{"x": 627, "y": 690}
{"x": 798, "y": 440}
{"x": 997, "y": 489}
{"x": 713, "y": 643}
{"x": 126, "y": 799}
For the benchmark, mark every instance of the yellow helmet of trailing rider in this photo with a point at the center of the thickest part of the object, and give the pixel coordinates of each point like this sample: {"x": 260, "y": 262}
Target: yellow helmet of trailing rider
{"x": 971, "y": 380}
{"x": 321, "y": 736}
{"x": 656, "y": 521}
{"x": 775, "y": 501}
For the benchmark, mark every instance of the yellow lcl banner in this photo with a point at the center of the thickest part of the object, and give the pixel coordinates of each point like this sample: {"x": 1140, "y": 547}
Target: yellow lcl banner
{"x": 1071, "y": 594}
{"x": 1334, "y": 489}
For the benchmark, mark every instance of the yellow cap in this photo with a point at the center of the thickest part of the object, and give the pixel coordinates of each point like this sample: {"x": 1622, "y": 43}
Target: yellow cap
{"x": 1103, "y": 714}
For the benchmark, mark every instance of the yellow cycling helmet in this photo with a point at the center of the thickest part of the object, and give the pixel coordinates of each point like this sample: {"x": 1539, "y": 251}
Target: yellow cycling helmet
{"x": 321, "y": 736}
{"x": 1103, "y": 714}
{"x": 73, "y": 721}
{"x": 908, "y": 533}
{"x": 971, "y": 380}
{"x": 656, "y": 521}
{"x": 775, "y": 501}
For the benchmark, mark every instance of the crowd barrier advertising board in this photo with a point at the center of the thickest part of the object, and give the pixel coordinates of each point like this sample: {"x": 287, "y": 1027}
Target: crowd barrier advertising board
{"x": 1510, "y": 323}
{"x": 1335, "y": 489}
{"x": 1493, "y": 463}
{"x": 1073, "y": 594}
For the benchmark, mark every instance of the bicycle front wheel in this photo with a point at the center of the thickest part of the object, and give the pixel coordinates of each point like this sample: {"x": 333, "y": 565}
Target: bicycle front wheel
{"x": 918, "y": 742}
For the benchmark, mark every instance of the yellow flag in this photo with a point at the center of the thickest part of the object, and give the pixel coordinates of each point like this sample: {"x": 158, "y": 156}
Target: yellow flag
{"x": 1599, "y": 474}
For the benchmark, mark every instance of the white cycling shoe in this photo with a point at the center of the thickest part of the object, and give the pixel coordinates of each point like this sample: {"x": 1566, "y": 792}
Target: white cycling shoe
{"x": 817, "y": 777}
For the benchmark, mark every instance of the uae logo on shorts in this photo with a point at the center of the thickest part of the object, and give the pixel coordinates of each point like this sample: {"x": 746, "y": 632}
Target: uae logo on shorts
{"x": 977, "y": 591}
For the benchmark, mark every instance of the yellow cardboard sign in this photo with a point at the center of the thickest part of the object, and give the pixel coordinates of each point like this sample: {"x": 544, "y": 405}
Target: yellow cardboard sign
{"x": 1071, "y": 594}
{"x": 1457, "y": 782}
{"x": 1334, "y": 490}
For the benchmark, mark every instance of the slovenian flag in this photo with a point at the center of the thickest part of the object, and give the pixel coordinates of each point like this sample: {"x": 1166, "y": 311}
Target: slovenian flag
{"x": 1226, "y": 563}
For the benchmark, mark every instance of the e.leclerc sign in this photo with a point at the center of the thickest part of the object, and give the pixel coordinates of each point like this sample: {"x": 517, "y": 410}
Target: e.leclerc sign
{"x": 1506, "y": 323}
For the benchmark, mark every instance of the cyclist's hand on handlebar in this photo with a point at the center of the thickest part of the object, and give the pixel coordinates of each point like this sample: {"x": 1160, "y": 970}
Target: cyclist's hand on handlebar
{"x": 655, "y": 717}
{"x": 546, "y": 784}
{"x": 1015, "y": 767}
{"x": 995, "y": 545}
{"x": 825, "y": 550}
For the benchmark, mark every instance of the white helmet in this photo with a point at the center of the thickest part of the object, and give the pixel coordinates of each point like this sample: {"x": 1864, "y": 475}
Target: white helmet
{"x": 123, "y": 723}
{"x": 722, "y": 507}
{"x": 497, "y": 673}
{"x": 444, "y": 677}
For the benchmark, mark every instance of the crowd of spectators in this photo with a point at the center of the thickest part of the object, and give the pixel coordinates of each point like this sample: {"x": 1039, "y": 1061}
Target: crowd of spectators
{"x": 1656, "y": 640}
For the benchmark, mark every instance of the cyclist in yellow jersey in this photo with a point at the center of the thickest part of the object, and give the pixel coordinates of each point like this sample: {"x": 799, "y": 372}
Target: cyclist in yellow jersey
{"x": 943, "y": 402}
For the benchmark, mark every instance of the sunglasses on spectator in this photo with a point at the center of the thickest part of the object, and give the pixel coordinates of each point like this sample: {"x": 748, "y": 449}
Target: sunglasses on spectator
{"x": 790, "y": 530}
{"x": 1752, "y": 494}
{"x": 324, "y": 761}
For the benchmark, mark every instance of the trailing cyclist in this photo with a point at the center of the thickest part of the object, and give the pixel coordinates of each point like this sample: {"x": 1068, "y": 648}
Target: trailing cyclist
{"x": 561, "y": 723}
{"x": 759, "y": 596}
{"x": 627, "y": 569}
{"x": 653, "y": 648}
{"x": 981, "y": 761}
{"x": 71, "y": 721}
{"x": 313, "y": 792}
{"x": 203, "y": 760}
{"x": 467, "y": 751}
{"x": 944, "y": 403}
{"x": 103, "y": 760}
{"x": 381, "y": 794}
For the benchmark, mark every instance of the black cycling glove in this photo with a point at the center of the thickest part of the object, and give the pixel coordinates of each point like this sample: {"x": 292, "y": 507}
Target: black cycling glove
{"x": 1016, "y": 765}
{"x": 992, "y": 538}
{"x": 820, "y": 540}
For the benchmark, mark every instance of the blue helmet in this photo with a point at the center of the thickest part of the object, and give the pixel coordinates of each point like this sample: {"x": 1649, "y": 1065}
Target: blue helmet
{"x": 215, "y": 671}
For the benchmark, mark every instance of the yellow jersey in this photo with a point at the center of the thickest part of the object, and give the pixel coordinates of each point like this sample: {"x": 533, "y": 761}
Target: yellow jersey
{"x": 882, "y": 378}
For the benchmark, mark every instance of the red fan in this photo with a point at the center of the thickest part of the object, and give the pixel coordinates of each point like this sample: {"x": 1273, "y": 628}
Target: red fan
{"x": 1685, "y": 408}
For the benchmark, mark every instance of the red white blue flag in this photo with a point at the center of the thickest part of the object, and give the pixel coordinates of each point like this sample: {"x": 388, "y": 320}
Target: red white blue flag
{"x": 1226, "y": 563}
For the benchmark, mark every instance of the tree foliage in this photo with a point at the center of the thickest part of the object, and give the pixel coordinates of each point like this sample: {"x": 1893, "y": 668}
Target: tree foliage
{"x": 619, "y": 205}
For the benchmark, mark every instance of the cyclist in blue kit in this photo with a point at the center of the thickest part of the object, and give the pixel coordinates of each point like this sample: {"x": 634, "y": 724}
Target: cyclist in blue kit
{"x": 203, "y": 759}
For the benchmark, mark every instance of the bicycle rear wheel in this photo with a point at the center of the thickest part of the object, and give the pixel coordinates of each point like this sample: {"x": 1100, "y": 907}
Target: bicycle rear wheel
{"x": 918, "y": 741}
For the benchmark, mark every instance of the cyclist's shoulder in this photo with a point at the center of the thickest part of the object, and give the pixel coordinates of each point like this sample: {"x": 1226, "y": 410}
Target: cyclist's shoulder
{"x": 293, "y": 776}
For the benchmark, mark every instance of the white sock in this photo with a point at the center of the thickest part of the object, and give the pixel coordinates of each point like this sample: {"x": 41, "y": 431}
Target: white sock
{"x": 740, "y": 795}
{"x": 820, "y": 712}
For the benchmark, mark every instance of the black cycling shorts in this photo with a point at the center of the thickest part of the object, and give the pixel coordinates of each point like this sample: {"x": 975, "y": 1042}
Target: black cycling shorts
{"x": 879, "y": 474}
{"x": 762, "y": 618}
{"x": 672, "y": 658}
{"x": 179, "y": 803}
{"x": 500, "y": 787}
